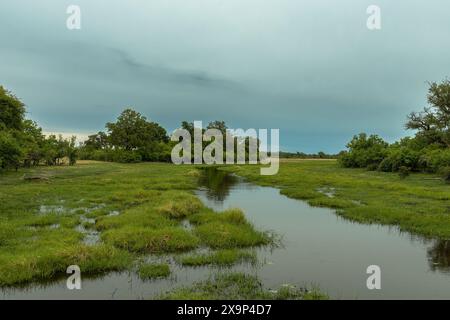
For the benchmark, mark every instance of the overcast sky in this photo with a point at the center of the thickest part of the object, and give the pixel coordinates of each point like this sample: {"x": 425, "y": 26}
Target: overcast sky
{"x": 310, "y": 68}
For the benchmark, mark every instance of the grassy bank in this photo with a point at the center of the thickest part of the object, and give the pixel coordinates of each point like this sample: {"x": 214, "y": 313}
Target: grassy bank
{"x": 105, "y": 216}
{"x": 232, "y": 286}
{"x": 418, "y": 203}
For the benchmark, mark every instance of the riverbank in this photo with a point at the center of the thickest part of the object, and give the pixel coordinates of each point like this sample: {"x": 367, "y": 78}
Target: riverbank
{"x": 418, "y": 203}
{"x": 113, "y": 219}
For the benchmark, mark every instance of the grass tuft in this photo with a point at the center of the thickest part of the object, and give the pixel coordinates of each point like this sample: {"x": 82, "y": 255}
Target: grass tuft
{"x": 144, "y": 240}
{"x": 153, "y": 271}
{"x": 237, "y": 286}
{"x": 225, "y": 257}
{"x": 227, "y": 235}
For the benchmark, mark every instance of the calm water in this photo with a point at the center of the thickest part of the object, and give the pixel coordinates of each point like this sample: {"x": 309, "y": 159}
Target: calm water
{"x": 331, "y": 252}
{"x": 319, "y": 249}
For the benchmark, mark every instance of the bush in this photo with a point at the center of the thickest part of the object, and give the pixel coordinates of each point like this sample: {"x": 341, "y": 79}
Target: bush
{"x": 445, "y": 174}
{"x": 364, "y": 152}
{"x": 124, "y": 156}
{"x": 403, "y": 172}
{"x": 10, "y": 151}
{"x": 398, "y": 157}
{"x": 435, "y": 159}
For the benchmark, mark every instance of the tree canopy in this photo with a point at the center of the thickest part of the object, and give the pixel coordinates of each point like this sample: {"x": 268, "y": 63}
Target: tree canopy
{"x": 22, "y": 142}
{"x": 428, "y": 150}
{"x": 433, "y": 123}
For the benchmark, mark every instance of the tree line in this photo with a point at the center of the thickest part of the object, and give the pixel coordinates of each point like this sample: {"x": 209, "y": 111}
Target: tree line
{"x": 133, "y": 138}
{"x": 427, "y": 151}
{"x": 22, "y": 143}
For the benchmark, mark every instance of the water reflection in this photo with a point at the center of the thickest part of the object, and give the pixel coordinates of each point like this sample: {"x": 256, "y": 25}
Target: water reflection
{"x": 331, "y": 251}
{"x": 439, "y": 256}
{"x": 217, "y": 183}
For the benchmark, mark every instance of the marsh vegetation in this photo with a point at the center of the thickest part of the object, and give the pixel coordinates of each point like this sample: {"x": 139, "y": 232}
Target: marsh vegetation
{"x": 108, "y": 217}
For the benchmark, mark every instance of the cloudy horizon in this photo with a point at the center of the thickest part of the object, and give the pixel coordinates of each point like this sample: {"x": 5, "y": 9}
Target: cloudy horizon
{"x": 310, "y": 68}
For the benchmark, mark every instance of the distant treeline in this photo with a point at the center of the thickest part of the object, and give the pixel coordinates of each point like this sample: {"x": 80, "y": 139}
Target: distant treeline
{"x": 427, "y": 151}
{"x": 132, "y": 138}
{"x": 301, "y": 155}
{"x": 22, "y": 143}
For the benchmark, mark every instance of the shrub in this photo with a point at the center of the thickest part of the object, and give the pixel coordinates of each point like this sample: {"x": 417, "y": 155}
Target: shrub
{"x": 398, "y": 157}
{"x": 403, "y": 172}
{"x": 124, "y": 156}
{"x": 10, "y": 151}
{"x": 364, "y": 152}
{"x": 445, "y": 174}
{"x": 435, "y": 159}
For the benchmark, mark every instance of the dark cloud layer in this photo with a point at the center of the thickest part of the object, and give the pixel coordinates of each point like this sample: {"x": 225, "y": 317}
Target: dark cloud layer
{"x": 310, "y": 68}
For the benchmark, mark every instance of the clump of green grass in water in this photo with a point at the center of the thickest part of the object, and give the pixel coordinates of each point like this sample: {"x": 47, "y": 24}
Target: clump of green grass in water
{"x": 18, "y": 268}
{"x": 237, "y": 286}
{"x": 153, "y": 271}
{"x": 228, "y": 229}
{"x": 226, "y": 257}
{"x": 226, "y": 235}
{"x": 180, "y": 207}
{"x": 234, "y": 216}
{"x": 145, "y": 240}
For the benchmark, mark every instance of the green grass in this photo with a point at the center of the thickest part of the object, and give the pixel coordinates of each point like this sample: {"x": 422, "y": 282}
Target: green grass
{"x": 228, "y": 229}
{"x": 39, "y": 219}
{"x": 39, "y": 237}
{"x": 153, "y": 271}
{"x": 46, "y": 263}
{"x": 139, "y": 239}
{"x": 225, "y": 257}
{"x": 238, "y": 286}
{"x": 418, "y": 203}
{"x": 227, "y": 235}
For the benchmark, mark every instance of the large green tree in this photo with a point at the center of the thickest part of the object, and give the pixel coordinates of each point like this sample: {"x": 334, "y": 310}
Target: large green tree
{"x": 433, "y": 123}
{"x": 12, "y": 111}
{"x": 132, "y": 132}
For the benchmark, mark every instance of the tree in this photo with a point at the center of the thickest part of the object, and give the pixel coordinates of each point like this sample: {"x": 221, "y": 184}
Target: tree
{"x": 22, "y": 141}
{"x": 32, "y": 140}
{"x": 71, "y": 150}
{"x": 219, "y": 125}
{"x": 97, "y": 141}
{"x": 433, "y": 123}
{"x": 364, "y": 151}
{"x": 189, "y": 126}
{"x": 10, "y": 151}
{"x": 12, "y": 111}
{"x": 132, "y": 131}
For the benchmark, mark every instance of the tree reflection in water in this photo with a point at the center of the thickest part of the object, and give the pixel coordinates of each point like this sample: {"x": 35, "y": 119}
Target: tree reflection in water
{"x": 439, "y": 256}
{"x": 218, "y": 183}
